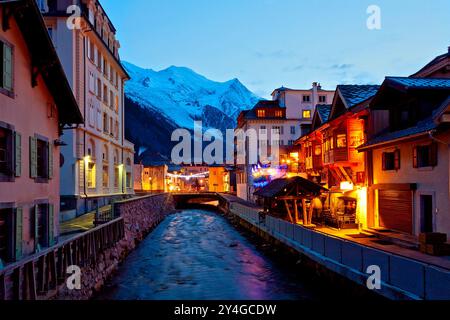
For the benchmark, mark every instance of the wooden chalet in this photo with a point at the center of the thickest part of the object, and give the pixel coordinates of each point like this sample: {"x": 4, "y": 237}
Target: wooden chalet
{"x": 344, "y": 132}
{"x": 310, "y": 145}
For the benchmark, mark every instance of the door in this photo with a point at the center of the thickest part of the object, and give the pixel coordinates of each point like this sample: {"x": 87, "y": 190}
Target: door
{"x": 426, "y": 213}
{"x": 395, "y": 210}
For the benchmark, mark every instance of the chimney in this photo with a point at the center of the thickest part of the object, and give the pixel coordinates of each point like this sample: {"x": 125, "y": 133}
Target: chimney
{"x": 314, "y": 84}
{"x": 319, "y": 86}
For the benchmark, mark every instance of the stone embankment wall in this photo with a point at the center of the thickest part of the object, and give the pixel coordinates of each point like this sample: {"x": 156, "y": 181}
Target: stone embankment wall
{"x": 97, "y": 253}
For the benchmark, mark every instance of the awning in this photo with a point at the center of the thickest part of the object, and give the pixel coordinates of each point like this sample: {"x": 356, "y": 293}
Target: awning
{"x": 280, "y": 187}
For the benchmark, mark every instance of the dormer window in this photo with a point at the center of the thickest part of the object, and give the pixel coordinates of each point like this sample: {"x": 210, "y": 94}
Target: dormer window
{"x": 278, "y": 114}
{"x": 261, "y": 113}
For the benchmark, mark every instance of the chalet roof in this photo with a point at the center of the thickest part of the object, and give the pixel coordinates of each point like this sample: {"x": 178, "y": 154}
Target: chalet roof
{"x": 353, "y": 95}
{"x": 419, "y": 83}
{"x": 434, "y": 62}
{"x": 422, "y": 127}
{"x": 280, "y": 187}
{"x": 323, "y": 110}
{"x": 44, "y": 57}
{"x": 270, "y": 104}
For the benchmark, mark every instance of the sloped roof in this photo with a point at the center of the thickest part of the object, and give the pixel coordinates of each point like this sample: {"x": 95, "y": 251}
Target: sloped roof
{"x": 277, "y": 187}
{"x": 422, "y": 127}
{"x": 420, "y": 83}
{"x": 251, "y": 114}
{"x": 434, "y": 62}
{"x": 33, "y": 29}
{"x": 323, "y": 110}
{"x": 355, "y": 94}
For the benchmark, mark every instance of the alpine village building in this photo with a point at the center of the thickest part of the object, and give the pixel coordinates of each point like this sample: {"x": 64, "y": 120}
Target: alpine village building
{"x": 36, "y": 106}
{"x": 289, "y": 115}
{"x": 385, "y": 150}
{"x": 97, "y": 161}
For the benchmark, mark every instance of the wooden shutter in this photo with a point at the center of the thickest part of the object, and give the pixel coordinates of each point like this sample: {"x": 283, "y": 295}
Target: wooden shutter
{"x": 415, "y": 160}
{"x": 51, "y": 225}
{"x": 33, "y": 157}
{"x": 397, "y": 163}
{"x": 384, "y": 161}
{"x": 18, "y": 154}
{"x": 7, "y": 67}
{"x": 18, "y": 233}
{"x": 50, "y": 160}
{"x": 35, "y": 210}
{"x": 433, "y": 155}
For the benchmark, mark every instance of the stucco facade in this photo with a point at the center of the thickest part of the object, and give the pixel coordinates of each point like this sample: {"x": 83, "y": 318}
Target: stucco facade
{"x": 430, "y": 181}
{"x": 31, "y": 119}
{"x": 98, "y": 161}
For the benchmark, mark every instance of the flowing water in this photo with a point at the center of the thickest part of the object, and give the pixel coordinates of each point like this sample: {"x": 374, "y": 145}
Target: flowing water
{"x": 199, "y": 255}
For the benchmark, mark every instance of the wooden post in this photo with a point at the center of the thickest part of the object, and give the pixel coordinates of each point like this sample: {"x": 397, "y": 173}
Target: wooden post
{"x": 296, "y": 211}
{"x": 288, "y": 211}
{"x": 305, "y": 214}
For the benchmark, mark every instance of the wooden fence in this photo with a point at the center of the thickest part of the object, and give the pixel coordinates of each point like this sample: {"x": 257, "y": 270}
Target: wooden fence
{"x": 39, "y": 276}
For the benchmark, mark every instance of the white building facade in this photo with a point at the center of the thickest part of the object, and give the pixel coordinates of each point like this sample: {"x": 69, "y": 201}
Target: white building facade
{"x": 301, "y": 104}
{"x": 97, "y": 163}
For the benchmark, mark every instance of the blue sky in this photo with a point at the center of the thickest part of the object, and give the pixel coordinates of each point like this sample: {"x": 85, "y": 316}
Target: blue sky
{"x": 269, "y": 43}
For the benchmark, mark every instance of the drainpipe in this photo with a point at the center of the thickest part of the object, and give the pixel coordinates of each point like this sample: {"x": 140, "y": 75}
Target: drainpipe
{"x": 123, "y": 136}
{"x": 85, "y": 110}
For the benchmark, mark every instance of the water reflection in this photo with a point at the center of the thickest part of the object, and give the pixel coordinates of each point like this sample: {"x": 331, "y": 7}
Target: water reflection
{"x": 197, "y": 255}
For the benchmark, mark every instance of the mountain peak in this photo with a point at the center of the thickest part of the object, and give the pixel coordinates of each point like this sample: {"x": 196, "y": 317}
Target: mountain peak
{"x": 181, "y": 95}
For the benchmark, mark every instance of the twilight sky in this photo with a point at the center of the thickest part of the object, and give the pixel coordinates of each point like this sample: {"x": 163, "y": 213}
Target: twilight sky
{"x": 269, "y": 43}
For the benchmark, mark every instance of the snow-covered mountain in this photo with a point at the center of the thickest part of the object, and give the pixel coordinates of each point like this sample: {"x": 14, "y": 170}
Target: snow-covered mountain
{"x": 158, "y": 102}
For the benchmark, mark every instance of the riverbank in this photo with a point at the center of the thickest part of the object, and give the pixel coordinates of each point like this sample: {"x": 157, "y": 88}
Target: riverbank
{"x": 401, "y": 278}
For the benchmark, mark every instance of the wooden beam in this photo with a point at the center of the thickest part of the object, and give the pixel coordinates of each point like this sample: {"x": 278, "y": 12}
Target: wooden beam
{"x": 305, "y": 214}
{"x": 296, "y": 211}
{"x": 288, "y": 211}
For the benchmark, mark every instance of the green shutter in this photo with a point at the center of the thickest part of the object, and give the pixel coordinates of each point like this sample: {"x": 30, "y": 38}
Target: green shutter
{"x": 50, "y": 160}
{"x": 36, "y": 228}
{"x": 18, "y": 154}
{"x": 19, "y": 233}
{"x": 51, "y": 225}
{"x": 7, "y": 67}
{"x": 33, "y": 157}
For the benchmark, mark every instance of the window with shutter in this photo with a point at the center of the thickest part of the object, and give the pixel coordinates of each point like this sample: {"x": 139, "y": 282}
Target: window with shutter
{"x": 6, "y": 68}
{"x": 425, "y": 156}
{"x": 51, "y": 225}
{"x": 33, "y": 157}
{"x": 6, "y": 153}
{"x": 5, "y": 235}
{"x": 18, "y": 154}
{"x": 19, "y": 234}
{"x": 397, "y": 163}
{"x": 50, "y": 160}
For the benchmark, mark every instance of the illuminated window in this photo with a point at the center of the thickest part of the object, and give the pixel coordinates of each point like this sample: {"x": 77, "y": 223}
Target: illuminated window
{"x": 91, "y": 175}
{"x": 261, "y": 113}
{"x": 278, "y": 114}
{"x": 318, "y": 150}
{"x": 341, "y": 141}
{"x": 306, "y": 114}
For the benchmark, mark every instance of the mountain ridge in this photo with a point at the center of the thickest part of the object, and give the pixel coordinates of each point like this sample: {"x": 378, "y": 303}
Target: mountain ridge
{"x": 177, "y": 96}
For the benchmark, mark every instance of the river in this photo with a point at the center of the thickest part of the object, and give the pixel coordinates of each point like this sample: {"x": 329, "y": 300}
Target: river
{"x": 199, "y": 255}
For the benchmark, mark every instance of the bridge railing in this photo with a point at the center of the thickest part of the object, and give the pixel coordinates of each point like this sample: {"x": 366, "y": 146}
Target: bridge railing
{"x": 42, "y": 275}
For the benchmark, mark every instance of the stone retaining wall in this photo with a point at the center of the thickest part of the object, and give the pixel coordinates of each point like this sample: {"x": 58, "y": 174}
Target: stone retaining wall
{"x": 140, "y": 216}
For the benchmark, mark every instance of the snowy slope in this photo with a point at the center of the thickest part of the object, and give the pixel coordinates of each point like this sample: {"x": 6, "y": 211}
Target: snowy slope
{"x": 182, "y": 96}
{"x": 159, "y": 102}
